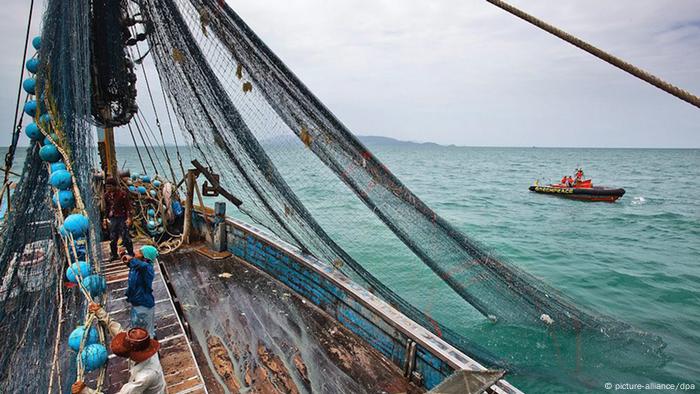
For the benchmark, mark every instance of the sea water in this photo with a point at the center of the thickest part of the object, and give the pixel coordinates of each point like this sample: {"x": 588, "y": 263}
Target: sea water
{"x": 636, "y": 260}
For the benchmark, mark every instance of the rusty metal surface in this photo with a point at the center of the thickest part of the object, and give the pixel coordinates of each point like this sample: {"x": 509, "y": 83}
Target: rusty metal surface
{"x": 252, "y": 333}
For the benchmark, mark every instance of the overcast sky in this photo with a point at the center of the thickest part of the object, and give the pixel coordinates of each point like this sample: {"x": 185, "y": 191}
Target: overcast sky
{"x": 464, "y": 72}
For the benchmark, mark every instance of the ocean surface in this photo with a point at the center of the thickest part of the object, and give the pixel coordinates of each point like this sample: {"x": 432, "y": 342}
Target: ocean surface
{"x": 636, "y": 260}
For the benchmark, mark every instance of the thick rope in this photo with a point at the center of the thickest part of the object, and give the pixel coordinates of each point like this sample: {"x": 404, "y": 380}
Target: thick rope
{"x": 605, "y": 56}
{"x": 10, "y": 156}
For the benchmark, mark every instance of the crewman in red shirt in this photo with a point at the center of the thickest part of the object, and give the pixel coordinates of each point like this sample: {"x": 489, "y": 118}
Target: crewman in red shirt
{"x": 117, "y": 217}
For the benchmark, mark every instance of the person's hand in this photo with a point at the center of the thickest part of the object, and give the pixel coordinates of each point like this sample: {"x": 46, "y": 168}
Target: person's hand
{"x": 77, "y": 387}
{"x": 93, "y": 307}
{"x": 122, "y": 251}
{"x": 126, "y": 259}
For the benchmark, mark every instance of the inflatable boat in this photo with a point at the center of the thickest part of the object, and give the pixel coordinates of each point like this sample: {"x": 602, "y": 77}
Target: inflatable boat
{"x": 581, "y": 191}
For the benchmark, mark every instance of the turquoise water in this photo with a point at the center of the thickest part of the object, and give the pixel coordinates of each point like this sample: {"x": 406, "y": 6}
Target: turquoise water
{"x": 637, "y": 260}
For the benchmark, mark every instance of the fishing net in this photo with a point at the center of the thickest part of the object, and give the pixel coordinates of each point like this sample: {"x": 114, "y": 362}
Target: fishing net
{"x": 246, "y": 113}
{"x": 37, "y": 313}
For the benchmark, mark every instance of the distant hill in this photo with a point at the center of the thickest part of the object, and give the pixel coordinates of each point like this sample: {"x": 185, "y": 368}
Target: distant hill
{"x": 382, "y": 141}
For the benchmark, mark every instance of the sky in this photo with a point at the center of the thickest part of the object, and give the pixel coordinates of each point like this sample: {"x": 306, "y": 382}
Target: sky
{"x": 465, "y": 72}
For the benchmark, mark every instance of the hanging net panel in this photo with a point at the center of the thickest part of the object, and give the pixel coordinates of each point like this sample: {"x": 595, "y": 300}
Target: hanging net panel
{"x": 37, "y": 312}
{"x": 248, "y": 116}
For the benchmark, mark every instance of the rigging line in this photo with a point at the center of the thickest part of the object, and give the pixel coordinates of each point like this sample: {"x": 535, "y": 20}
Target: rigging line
{"x": 143, "y": 166}
{"x": 17, "y": 127}
{"x": 599, "y": 53}
{"x": 144, "y": 144}
{"x": 147, "y": 127}
{"x": 155, "y": 112}
{"x": 172, "y": 128}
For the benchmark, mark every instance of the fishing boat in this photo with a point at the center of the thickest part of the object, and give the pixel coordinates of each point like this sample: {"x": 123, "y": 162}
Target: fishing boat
{"x": 266, "y": 301}
{"x": 584, "y": 191}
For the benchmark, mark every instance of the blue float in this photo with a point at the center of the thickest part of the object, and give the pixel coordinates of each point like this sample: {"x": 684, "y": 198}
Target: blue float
{"x": 93, "y": 356}
{"x": 77, "y": 225}
{"x": 157, "y": 183}
{"x": 61, "y": 179}
{"x": 141, "y": 190}
{"x": 47, "y": 140}
{"x": 135, "y": 176}
{"x": 29, "y": 85}
{"x": 132, "y": 189}
{"x": 95, "y": 285}
{"x": 59, "y": 165}
{"x": 45, "y": 120}
{"x": 65, "y": 197}
{"x": 32, "y": 65}
{"x": 146, "y": 179}
{"x": 32, "y": 131}
{"x": 77, "y": 336}
{"x": 81, "y": 268}
{"x": 30, "y": 108}
{"x": 151, "y": 212}
{"x": 151, "y": 224}
{"x": 153, "y": 193}
{"x": 36, "y": 42}
{"x": 49, "y": 153}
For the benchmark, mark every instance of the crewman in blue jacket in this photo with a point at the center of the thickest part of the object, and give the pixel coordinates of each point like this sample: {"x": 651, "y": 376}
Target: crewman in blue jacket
{"x": 139, "y": 292}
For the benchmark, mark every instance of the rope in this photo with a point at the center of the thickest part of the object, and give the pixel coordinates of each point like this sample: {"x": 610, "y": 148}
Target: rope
{"x": 153, "y": 163}
{"x": 143, "y": 166}
{"x": 605, "y": 56}
{"x": 155, "y": 112}
{"x": 10, "y": 156}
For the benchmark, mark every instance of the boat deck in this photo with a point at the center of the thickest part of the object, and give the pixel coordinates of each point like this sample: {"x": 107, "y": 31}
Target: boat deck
{"x": 182, "y": 375}
{"x": 251, "y": 332}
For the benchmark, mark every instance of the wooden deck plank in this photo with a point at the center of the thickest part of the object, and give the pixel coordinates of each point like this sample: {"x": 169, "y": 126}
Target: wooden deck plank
{"x": 182, "y": 374}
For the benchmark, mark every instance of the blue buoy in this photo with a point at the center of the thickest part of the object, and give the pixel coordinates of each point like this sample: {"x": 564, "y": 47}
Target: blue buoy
{"x": 151, "y": 224}
{"x": 153, "y": 193}
{"x": 47, "y": 140}
{"x": 77, "y": 336}
{"x": 157, "y": 183}
{"x": 59, "y": 165}
{"x": 94, "y": 356}
{"x": 36, "y": 42}
{"x": 135, "y": 176}
{"x": 132, "y": 189}
{"x": 32, "y": 131}
{"x": 32, "y": 65}
{"x": 81, "y": 268}
{"x": 30, "y": 108}
{"x": 146, "y": 179}
{"x": 95, "y": 285}
{"x": 60, "y": 179}
{"x": 45, "y": 120}
{"x": 49, "y": 153}
{"x": 65, "y": 197}
{"x": 29, "y": 85}
{"x": 141, "y": 189}
{"x": 151, "y": 212}
{"x": 77, "y": 225}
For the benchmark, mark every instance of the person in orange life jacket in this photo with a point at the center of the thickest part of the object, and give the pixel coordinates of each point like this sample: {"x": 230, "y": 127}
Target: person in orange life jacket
{"x": 139, "y": 292}
{"x": 563, "y": 180}
{"x": 146, "y": 373}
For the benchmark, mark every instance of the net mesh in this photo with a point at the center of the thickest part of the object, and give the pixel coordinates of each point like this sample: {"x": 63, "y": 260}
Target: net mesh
{"x": 249, "y": 118}
{"x": 246, "y": 113}
{"x": 37, "y": 313}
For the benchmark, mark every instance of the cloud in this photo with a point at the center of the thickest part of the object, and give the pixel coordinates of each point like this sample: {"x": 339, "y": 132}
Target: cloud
{"x": 468, "y": 73}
